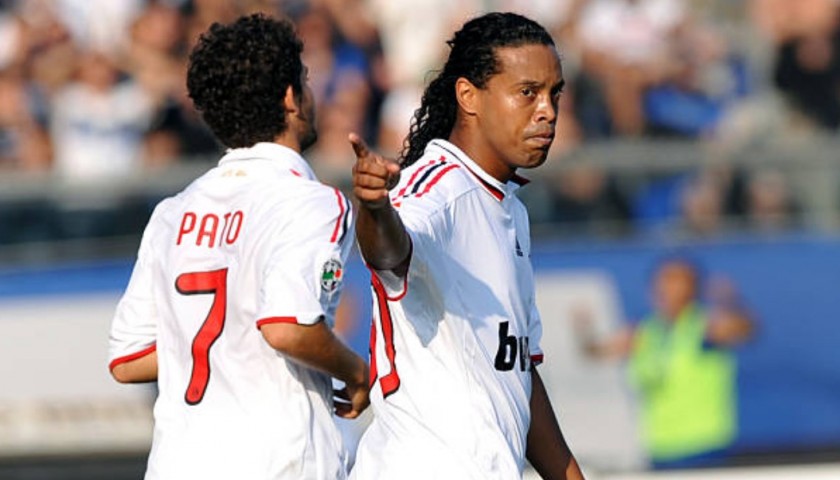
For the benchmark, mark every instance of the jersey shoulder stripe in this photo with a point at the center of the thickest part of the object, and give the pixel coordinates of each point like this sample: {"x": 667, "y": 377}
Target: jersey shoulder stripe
{"x": 418, "y": 176}
{"x": 493, "y": 190}
{"x": 343, "y": 219}
{"x": 309, "y": 200}
{"x": 432, "y": 176}
{"x": 437, "y": 178}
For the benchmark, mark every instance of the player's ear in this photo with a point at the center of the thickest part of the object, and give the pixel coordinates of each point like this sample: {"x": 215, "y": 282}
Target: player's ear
{"x": 467, "y": 95}
{"x": 291, "y": 101}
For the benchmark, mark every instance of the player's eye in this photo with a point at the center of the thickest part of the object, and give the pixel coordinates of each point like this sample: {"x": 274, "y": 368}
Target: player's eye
{"x": 528, "y": 92}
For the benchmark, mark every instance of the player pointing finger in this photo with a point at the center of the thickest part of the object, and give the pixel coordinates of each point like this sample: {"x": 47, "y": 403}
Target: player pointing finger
{"x": 455, "y": 336}
{"x": 373, "y": 175}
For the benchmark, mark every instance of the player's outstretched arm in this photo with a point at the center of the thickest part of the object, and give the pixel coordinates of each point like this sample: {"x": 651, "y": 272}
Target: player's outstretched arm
{"x": 139, "y": 370}
{"x": 547, "y": 449}
{"x": 316, "y": 346}
{"x": 381, "y": 235}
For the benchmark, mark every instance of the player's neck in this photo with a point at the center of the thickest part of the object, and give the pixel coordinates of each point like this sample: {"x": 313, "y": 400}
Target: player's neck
{"x": 288, "y": 140}
{"x": 481, "y": 153}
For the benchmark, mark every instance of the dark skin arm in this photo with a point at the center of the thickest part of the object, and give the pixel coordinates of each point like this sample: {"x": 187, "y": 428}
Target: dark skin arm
{"x": 383, "y": 240}
{"x": 547, "y": 449}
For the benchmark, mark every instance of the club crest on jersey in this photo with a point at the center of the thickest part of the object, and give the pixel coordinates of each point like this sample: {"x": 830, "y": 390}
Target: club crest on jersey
{"x": 331, "y": 275}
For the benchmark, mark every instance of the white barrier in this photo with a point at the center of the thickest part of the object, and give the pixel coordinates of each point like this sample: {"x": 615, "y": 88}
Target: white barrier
{"x": 57, "y": 397}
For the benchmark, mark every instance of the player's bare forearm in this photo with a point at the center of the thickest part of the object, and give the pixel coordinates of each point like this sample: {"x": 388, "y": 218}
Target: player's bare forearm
{"x": 547, "y": 449}
{"x": 382, "y": 238}
{"x": 139, "y": 370}
{"x": 316, "y": 346}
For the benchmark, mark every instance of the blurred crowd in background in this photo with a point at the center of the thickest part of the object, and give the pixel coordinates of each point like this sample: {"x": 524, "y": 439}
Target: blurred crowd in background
{"x": 92, "y": 92}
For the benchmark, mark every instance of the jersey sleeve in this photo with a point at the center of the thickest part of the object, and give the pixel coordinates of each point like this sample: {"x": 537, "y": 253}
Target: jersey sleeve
{"x": 304, "y": 271}
{"x": 134, "y": 326}
{"x": 535, "y": 335}
{"x": 429, "y": 232}
{"x": 421, "y": 199}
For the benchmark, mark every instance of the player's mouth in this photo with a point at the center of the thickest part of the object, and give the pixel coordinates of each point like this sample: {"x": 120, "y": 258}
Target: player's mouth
{"x": 542, "y": 140}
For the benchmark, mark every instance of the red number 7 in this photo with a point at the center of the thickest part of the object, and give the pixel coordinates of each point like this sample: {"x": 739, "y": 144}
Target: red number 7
{"x": 197, "y": 283}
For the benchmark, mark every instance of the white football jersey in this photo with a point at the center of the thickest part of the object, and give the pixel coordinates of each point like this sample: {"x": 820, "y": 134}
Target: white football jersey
{"x": 255, "y": 240}
{"x": 452, "y": 343}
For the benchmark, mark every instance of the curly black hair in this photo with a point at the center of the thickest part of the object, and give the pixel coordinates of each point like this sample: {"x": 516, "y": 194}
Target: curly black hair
{"x": 472, "y": 56}
{"x": 238, "y": 75}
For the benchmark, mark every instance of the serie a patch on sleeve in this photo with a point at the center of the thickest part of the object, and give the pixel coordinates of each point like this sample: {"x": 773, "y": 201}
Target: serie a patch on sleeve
{"x": 332, "y": 274}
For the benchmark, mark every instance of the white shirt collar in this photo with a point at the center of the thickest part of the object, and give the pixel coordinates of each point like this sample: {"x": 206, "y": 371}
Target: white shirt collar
{"x": 488, "y": 180}
{"x": 279, "y": 154}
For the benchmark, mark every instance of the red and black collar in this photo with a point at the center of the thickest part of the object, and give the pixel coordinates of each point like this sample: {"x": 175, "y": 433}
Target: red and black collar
{"x": 491, "y": 185}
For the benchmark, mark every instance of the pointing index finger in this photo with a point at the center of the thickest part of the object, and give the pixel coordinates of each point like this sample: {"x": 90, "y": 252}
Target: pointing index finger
{"x": 359, "y": 147}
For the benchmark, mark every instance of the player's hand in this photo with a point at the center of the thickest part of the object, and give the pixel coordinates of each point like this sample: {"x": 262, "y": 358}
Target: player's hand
{"x": 351, "y": 400}
{"x": 373, "y": 175}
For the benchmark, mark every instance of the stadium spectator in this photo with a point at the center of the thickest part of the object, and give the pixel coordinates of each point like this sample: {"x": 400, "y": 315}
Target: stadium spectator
{"x": 98, "y": 122}
{"x": 343, "y": 89}
{"x": 154, "y": 54}
{"x": 802, "y": 41}
{"x": 343, "y": 112}
{"x": 682, "y": 365}
{"x": 99, "y": 25}
{"x": 50, "y": 54}
{"x": 625, "y": 46}
{"x": 700, "y": 203}
{"x": 808, "y": 73}
{"x": 24, "y": 144}
{"x": 155, "y": 57}
{"x": 588, "y": 199}
{"x": 704, "y": 80}
{"x": 770, "y": 203}
{"x": 409, "y": 55}
{"x": 701, "y": 206}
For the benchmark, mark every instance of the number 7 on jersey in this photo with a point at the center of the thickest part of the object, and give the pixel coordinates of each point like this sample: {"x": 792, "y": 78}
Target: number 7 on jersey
{"x": 197, "y": 283}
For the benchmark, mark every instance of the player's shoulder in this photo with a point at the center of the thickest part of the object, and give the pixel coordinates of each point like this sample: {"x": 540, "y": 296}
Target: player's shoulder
{"x": 264, "y": 194}
{"x": 165, "y": 208}
{"x": 308, "y": 192}
{"x": 436, "y": 178}
{"x": 303, "y": 203}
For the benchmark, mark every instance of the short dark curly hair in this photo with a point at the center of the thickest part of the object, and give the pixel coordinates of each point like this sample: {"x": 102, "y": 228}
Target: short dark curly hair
{"x": 238, "y": 75}
{"x": 472, "y": 56}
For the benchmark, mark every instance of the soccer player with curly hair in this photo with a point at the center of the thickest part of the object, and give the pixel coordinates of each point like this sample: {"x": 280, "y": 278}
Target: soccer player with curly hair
{"x": 231, "y": 301}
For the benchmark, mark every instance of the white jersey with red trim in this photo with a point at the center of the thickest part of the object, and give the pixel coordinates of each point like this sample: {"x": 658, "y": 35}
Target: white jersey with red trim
{"x": 452, "y": 343}
{"x": 255, "y": 240}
